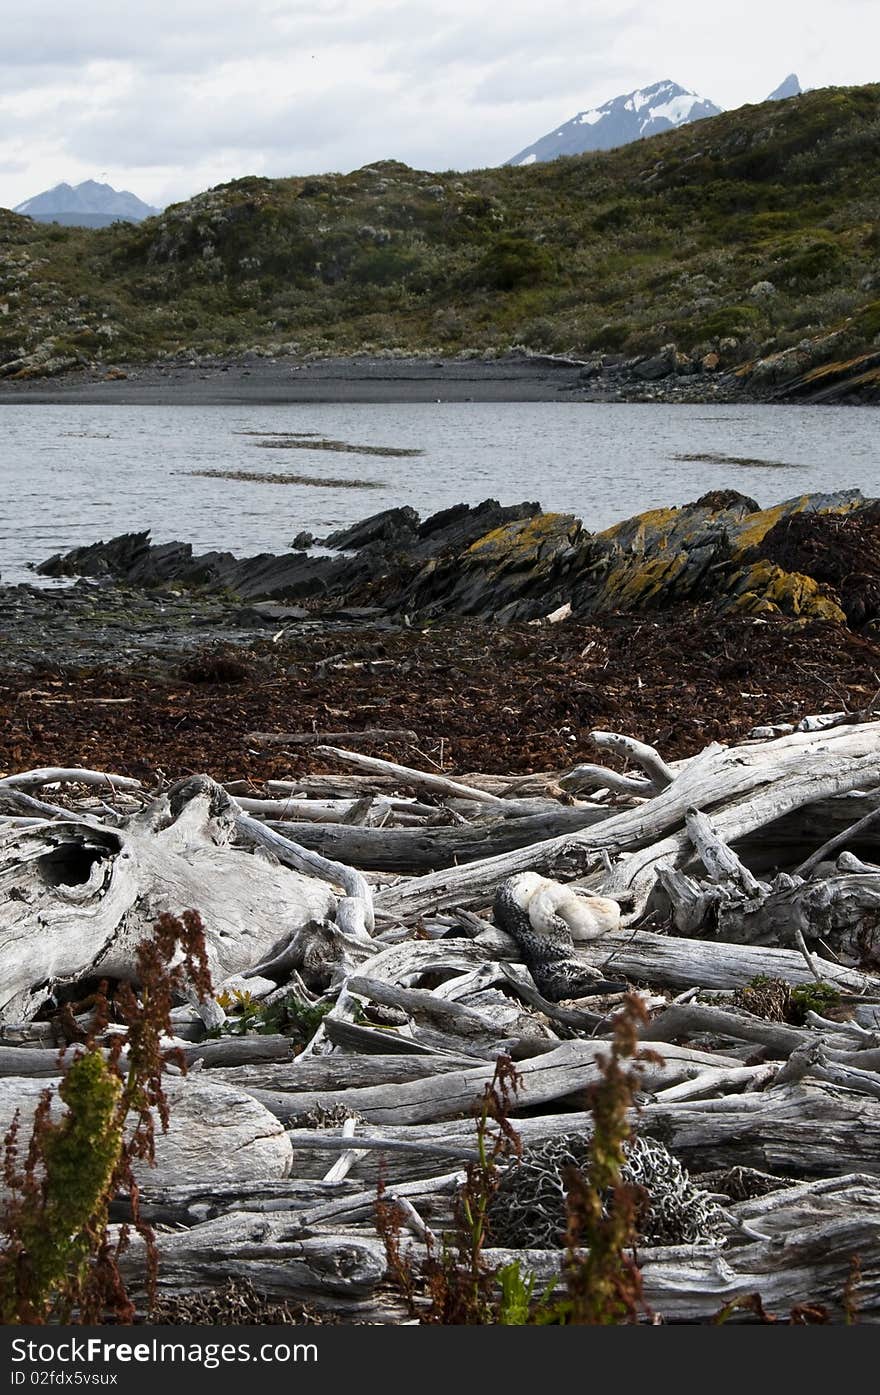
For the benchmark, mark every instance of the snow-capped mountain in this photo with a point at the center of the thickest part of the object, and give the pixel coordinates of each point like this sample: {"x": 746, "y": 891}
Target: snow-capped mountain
{"x": 790, "y": 88}
{"x": 624, "y": 119}
{"x": 86, "y": 205}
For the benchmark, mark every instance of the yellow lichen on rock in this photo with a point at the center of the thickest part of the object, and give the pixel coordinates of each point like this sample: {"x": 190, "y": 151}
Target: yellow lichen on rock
{"x": 766, "y": 589}
{"x": 636, "y": 583}
{"x": 525, "y": 536}
{"x": 756, "y": 526}
{"x": 651, "y": 528}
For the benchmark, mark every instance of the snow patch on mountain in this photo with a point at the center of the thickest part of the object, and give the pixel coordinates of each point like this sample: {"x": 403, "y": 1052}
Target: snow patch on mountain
{"x": 677, "y": 111}
{"x": 645, "y": 112}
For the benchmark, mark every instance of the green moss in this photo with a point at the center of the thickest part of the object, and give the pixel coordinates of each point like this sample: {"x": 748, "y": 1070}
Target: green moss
{"x": 821, "y": 998}
{"x": 290, "y": 1016}
{"x": 776, "y": 1001}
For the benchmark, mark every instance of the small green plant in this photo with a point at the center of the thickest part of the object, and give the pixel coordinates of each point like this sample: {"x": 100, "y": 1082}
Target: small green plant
{"x": 245, "y": 1014}
{"x": 517, "y": 1306}
{"x": 289, "y": 1016}
{"x": 776, "y": 1001}
{"x": 58, "y": 1213}
{"x": 58, "y": 1261}
{"x": 821, "y": 998}
{"x": 510, "y": 262}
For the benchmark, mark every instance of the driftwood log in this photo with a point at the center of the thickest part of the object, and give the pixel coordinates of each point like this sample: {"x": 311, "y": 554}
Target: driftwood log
{"x": 759, "y": 862}
{"x": 216, "y": 1131}
{"x": 78, "y": 897}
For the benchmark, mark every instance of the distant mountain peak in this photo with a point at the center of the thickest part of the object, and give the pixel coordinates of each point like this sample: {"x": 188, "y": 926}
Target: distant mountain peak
{"x": 791, "y": 87}
{"x": 88, "y": 204}
{"x": 645, "y": 112}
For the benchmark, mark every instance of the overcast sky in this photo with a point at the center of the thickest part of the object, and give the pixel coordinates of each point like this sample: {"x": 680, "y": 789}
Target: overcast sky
{"x": 168, "y": 97}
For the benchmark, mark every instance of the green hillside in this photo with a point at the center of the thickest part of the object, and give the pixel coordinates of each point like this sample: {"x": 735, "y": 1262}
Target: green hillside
{"x": 746, "y": 233}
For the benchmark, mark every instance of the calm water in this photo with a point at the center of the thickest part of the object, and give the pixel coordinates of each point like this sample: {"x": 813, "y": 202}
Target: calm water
{"x": 73, "y": 474}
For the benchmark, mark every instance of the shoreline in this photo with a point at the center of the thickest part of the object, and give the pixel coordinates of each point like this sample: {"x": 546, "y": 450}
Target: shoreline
{"x": 105, "y": 688}
{"x": 508, "y": 631}
{"x": 254, "y": 380}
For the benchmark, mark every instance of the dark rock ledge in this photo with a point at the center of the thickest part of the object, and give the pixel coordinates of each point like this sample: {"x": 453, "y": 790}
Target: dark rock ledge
{"x": 813, "y": 557}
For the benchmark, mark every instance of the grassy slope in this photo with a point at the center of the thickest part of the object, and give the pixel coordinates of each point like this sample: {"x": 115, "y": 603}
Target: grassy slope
{"x": 659, "y": 241}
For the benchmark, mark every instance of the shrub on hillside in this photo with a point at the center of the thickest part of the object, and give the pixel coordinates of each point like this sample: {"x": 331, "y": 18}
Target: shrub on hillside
{"x": 510, "y": 262}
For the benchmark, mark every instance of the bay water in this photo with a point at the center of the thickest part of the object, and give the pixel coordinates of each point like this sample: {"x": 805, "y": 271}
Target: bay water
{"x": 73, "y": 474}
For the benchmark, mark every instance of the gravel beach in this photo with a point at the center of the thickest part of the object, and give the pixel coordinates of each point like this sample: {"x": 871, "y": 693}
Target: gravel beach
{"x": 253, "y": 379}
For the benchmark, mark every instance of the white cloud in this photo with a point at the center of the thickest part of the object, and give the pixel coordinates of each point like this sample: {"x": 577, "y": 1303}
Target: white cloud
{"x": 168, "y": 98}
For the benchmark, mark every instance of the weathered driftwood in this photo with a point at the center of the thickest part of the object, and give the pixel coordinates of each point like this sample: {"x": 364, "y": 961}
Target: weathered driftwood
{"x": 840, "y": 840}
{"x": 566, "y": 1071}
{"x": 657, "y": 771}
{"x": 337, "y": 1071}
{"x": 814, "y": 1232}
{"x": 745, "y": 788}
{"x": 78, "y": 898}
{"x": 370, "y": 737}
{"x": 786, "y": 842}
{"x": 415, "y": 850}
{"x": 419, "y": 779}
{"x": 737, "y": 907}
{"x": 848, "y": 862}
{"x": 32, "y": 1061}
{"x": 466, "y": 1021}
{"x": 811, "y": 1128}
{"x": 215, "y": 1131}
{"x": 336, "y": 786}
{"x": 328, "y": 811}
{"x": 239, "y": 1051}
{"x": 329, "y": 1271}
{"x": 690, "y": 1019}
{"x": 677, "y": 962}
{"x": 359, "y": 897}
{"x": 357, "y": 1036}
{"x": 715, "y": 1081}
{"x": 716, "y": 837}
{"x": 315, "y": 1201}
{"x": 841, "y": 911}
{"x": 18, "y": 806}
{"x": 406, "y": 963}
{"x": 69, "y": 775}
{"x": 597, "y": 777}
{"x": 190, "y": 1203}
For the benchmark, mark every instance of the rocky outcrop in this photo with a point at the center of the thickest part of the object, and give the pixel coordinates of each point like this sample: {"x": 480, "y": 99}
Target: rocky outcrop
{"x": 376, "y": 557}
{"x": 837, "y": 550}
{"x": 708, "y": 551}
{"x": 813, "y": 557}
{"x": 133, "y": 559}
{"x": 517, "y": 571}
{"x": 398, "y": 527}
{"x": 840, "y": 365}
